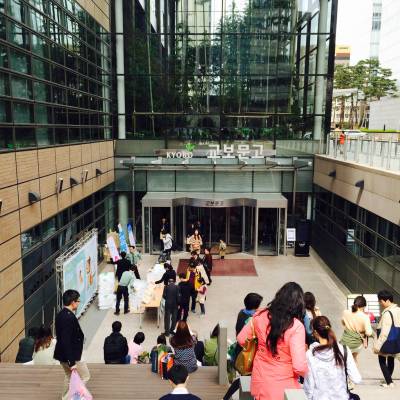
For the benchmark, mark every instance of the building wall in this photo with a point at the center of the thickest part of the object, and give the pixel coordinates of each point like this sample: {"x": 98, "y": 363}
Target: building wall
{"x": 99, "y": 10}
{"x": 38, "y": 171}
{"x": 384, "y": 113}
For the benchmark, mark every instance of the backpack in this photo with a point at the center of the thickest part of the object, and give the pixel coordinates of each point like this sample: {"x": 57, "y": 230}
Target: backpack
{"x": 155, "y": 356}
{"x": 166, "y": 362}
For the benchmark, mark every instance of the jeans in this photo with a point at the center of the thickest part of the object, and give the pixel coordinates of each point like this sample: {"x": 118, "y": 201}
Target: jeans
{"x": 387, "y": 367}
{"x": 202, "y": 308}
{"x": 170, "y": 316}
{"x": 83, "y": 372}
{"x": 183, "y": 312}
{"x": 122, "y": 291}
{"x": 235, "y": 386}
{"x": 193, "y": 295}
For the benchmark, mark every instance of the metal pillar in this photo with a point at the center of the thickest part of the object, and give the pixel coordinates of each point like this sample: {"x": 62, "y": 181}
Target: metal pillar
{"x": 123, "y": 209}
{"x": 284, "y": 234}
{"x": 184, "y": 227}
{"x": 243, "y": 229}
{"x": 294, "y": 192}
{"x": 143, "y": 231}
{"x": 320, "y": 70}
{"x": 256, "y": 232}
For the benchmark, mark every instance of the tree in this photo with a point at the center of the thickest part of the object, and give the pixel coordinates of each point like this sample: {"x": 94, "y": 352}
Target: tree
{"x": 368, "y": 77}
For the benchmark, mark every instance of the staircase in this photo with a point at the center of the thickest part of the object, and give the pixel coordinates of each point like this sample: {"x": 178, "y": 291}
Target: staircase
{"x": 111, "y": 382}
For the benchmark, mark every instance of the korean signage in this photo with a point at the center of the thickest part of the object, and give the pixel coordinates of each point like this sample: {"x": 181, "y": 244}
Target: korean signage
{"x": 214, "y": 203}
{"x": 214, "y": 151}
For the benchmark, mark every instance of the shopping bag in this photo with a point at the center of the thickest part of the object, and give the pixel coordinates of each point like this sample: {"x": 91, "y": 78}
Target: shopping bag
{"x": 77, "y": 389}
{"x": 392, "y": 343}
{"x": 244, "y": 360}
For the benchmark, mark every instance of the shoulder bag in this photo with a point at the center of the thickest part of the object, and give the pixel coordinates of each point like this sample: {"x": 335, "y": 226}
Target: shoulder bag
{"x": 352, "y": 396}
{"x": 392, "y": 343}
{"x": 244, "y": 360}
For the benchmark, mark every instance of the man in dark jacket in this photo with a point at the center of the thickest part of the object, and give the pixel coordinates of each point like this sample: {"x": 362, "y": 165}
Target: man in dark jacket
{"x": 185, "y": 291}
{"x": 123, "y": 265}
{"x": 70, "y": 339}
{"x": 115, "y": 346}
{"x": 171, "y": 296}
{"x": 26, "y": 346}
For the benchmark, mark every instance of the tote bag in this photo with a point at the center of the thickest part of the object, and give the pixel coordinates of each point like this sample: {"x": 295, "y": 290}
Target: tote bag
{"x": 244, "y": 360}
{"x": 392, "y": 343}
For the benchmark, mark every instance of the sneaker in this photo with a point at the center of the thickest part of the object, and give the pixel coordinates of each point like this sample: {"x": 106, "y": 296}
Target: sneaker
{"x": 116, "y": 313}
{"x": 388, "y": 385}
{"x": 193, "y": 311}
{"x": 127, "y": 311}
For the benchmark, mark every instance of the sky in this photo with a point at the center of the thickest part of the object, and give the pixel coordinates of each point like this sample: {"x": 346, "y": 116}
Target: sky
{"x": 354, "y": 27}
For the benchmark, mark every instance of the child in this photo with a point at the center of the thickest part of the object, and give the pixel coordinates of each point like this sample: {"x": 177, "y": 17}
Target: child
{"x": 178, "y": 376}
{"x": 222, "y": 249}
{"x": 201, "y": 295}
{"x": 135, "y": 348}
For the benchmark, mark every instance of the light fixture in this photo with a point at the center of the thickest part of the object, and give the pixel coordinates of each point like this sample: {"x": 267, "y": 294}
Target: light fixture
{"x": 85, "y": 175}
{"x": 33, "y": 197}
{"x": 1, "y": 204}
{"x": 98, "y": 172}
{"x": 60, "y": 182}
{"x": 73, "y": 181}
{"x": 332, "y": 174}
{"x": 360, "y": 184}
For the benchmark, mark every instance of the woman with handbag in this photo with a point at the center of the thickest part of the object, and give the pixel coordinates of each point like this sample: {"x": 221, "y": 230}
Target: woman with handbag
{"x": 328, "y": 365}
{"x": 195, "y": 242}
{"x": 280, "y": 356}
{"x": 357, "y": 327}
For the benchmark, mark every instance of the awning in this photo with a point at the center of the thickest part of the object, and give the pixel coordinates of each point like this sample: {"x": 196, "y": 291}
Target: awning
{"x": 215, "y": 200}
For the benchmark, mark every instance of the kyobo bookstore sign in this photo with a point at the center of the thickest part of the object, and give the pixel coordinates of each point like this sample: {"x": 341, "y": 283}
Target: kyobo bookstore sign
{"x": 214, "y": 151}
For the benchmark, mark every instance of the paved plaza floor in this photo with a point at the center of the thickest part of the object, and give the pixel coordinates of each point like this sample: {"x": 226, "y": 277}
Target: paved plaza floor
{"x": 225, "y": 299}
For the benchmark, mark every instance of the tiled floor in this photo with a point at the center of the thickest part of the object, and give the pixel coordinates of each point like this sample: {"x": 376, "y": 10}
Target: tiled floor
{"x": 225, "y": 299}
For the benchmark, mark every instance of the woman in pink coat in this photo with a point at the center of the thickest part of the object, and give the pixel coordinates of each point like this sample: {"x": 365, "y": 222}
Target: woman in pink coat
{"x": 281, "y": 350}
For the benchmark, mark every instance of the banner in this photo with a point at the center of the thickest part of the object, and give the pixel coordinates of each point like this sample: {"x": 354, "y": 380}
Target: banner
{"x": 122, "y": 240}
{"x": 112, "y": 248}
{"x": 130, "y": 235}
{"x": 80, "y": 273}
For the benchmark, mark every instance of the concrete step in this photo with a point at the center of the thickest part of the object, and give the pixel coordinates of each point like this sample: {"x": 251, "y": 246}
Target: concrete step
{"x": 108, "y": 382}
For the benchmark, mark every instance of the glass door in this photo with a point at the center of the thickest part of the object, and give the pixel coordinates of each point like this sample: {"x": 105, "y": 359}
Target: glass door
{"x": 157, "y": 215}
{"x": 218, "y": 225}
{"x": 249, "y": 224}
{"x": 198, "y": 218}
{"x": 235, "y": 226}
{"x": 177, "y": 234}
{"x": 267, "y": 231}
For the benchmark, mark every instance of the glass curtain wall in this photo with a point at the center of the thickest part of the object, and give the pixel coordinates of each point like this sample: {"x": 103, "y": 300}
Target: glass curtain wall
{"x": 204, "y": 70}
{"x": 55, "y": 66}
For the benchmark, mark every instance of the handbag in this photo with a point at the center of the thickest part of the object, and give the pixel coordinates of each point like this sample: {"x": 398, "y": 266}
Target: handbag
{"x": 352, "y": 396}
{"x": 392, "y": 343}
{"x": 244, "y": 360}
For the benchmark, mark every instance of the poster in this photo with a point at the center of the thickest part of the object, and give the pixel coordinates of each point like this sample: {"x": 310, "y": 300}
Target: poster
{"x": 131, "y": 236}
{"x": 123, "y": 246}
{"x": 112, "y": 247}
{"x": 80, "y": 273}
{"x": 291, "y": 234}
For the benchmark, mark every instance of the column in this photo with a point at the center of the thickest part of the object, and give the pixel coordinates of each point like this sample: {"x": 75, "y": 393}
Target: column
{"x": 321, "y": 70}
{"x": 123, "y": 210}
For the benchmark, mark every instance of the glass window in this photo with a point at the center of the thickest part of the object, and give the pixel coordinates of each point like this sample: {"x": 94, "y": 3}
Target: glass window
{"x": 25, "y": 137}
{"x": 44, "y": 136}
{"x": 18, "y": 35}
{"x": 6, "y": 139}
{"x": 39, "y": 46}
{"x": 33, "y": 283}
{"x": 5, "y": 111}
{"x": 42, "y": 114}
{"x": 40, "y": 69}
{"x": 15, "y": 9}
{"x": 21, "y": 87}
{"x": 19, "y": 61}
{"x": 3, "y": 56}
{"x": 41, "y": 91}
{"x": 4, "y": 85}
{"x": 30, "y": 238}
{"x": 22, "y": 113}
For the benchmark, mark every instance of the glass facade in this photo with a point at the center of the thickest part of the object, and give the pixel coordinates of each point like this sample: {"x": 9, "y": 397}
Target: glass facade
{"x": 55, "y": 77}
{"x": 42, "y": 244}
{"x": 211, "y": 70}
{"x": 362, "y": 248}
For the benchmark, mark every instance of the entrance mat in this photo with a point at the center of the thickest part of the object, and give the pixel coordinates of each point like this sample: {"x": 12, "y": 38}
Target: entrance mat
{"x": 227, "y": 267}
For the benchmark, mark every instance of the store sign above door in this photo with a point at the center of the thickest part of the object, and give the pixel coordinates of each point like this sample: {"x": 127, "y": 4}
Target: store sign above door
{"x": 214, "y": 151}
{"x": 214, "y": 203}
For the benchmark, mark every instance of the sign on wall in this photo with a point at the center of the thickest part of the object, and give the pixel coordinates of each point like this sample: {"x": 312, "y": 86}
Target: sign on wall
{"x": 80, "y": 273}
{"x": 291, "y": 234}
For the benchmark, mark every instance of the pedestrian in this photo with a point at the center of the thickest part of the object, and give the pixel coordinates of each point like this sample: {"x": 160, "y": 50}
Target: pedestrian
{"x": 211, "y": 348}
{"x": 312, "y": 311}
{"x": 135, "y": 347}
{"x": 202, "y": 296}
{"x": 26, "y": 346}
{"x": 183, "y": 344}
{"x": 327, "y": 363}
{"x": 185, "y": 292}
{"x": 281, "y": 355}
{"x": 70, "y": 340}
{"x": 168, "y": 274}
{"x": 193, "y": 277}
{"x": 390, "y": 317}
{"x": 45, "y": 345}
{"x": 125, "y": 282}
{"x": 115, "y": 346}
{"x": 164, "y": 227}
{"x": 171, "y": 295}
{"x": 222, "y": 249}
{"x": 178, "y": 376}
{"x": 133, "y": 256}
{"x": 167, "y": 244}
{"x": 123, "y": 265}
{"x": 208, "y": 263}
{"x": 252, "y": 302}
{"x": 195, "y": 242}
{"x": 357, "y": 327}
